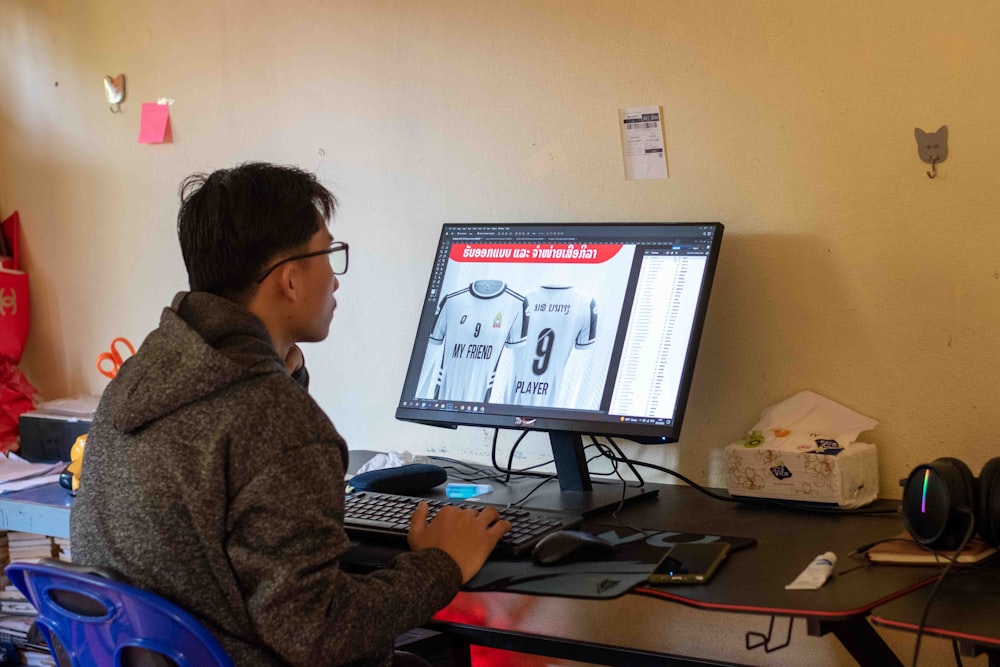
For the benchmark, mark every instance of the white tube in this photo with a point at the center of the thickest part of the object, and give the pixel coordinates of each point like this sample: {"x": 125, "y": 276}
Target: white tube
{"x": 816, "y": 574}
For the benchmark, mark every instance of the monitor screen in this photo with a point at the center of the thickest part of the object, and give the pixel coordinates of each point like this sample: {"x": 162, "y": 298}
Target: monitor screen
{"x": 580, "y": 329}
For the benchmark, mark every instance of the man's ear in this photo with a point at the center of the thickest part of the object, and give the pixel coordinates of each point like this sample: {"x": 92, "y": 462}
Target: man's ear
{"x": 288, "y": 280}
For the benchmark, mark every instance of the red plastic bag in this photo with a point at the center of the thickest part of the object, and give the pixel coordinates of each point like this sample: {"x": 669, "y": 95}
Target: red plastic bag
{"x": 10, "y": 242}
{"x": 14, "y": 310}
{"x": 15, "y": 314}
{"x": 17, "y": 396}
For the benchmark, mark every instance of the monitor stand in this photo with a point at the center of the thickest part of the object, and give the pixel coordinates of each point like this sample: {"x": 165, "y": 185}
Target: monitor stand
{"x": 576, "y": 492}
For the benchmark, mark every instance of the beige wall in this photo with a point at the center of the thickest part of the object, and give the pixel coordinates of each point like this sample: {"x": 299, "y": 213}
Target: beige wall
{"x": 845, "y": 270}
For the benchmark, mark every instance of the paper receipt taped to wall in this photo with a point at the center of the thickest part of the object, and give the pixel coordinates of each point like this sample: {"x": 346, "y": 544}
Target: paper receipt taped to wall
{"x": 642, "y": 143}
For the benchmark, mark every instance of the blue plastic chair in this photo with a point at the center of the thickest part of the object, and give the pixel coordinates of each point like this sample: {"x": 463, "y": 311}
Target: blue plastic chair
{"x": 94, "y": 621}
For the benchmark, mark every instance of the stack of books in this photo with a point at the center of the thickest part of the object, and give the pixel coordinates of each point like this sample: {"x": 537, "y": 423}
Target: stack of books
{"x": 16, "y": 613}
{"x": 13, "y": 603}
{"x": 62, "y": 550}
{"x": 14, "y": 628}
{"x": 29, "y": 547}
{"x": 23, "y": 643}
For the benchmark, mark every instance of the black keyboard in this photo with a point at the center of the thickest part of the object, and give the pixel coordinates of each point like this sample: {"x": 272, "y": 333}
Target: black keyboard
{"x": 382, "y": 515}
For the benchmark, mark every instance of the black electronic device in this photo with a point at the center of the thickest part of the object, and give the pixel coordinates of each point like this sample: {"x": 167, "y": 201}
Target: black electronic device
{"x": 690, "y": 563}
{"x": 570, "y": 329}
{"x": 942, "y": 498}
{"x": 571, "y": 546}
{"x": 47, "y": 437}
{"x": 406, "y": 479}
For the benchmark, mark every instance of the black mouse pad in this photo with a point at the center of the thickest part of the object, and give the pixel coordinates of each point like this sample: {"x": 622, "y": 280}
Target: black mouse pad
{"x": 636, "y": 555}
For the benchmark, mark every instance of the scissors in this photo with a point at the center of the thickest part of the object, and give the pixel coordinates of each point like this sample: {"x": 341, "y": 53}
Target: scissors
{"x": 114, "y": 357}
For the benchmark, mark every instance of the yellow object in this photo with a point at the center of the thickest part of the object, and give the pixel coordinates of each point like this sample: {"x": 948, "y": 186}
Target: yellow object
{"x": 76, "y": 460}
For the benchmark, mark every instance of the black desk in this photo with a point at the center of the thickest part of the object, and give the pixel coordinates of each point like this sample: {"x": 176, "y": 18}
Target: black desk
{"x": 751, "y": 581}
{"x": 964, "y": 609}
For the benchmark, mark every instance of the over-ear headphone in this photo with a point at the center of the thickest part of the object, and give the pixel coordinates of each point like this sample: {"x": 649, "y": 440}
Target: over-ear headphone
{"x": 941, "y": 498}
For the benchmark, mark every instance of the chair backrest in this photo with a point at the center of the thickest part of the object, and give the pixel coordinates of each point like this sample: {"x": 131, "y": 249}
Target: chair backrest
{"x": 98, "y": 622}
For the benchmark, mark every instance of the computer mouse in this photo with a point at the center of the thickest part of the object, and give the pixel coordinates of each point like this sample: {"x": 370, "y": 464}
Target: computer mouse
{"x": 571, "y": 546}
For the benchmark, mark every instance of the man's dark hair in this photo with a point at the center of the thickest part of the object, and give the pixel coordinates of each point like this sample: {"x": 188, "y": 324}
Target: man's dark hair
{"x": 233, "y": 222}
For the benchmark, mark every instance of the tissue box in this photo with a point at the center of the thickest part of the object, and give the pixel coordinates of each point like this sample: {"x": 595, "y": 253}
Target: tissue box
{"x": 818, "y": 470}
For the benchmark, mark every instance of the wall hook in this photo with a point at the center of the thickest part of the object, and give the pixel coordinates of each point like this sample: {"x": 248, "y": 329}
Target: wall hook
{"x": 114, "y": 90}
{"x": 932, "y": 147}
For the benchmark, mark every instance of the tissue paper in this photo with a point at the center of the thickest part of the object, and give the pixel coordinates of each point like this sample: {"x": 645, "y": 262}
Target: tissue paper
{"x": 805, "y": 448}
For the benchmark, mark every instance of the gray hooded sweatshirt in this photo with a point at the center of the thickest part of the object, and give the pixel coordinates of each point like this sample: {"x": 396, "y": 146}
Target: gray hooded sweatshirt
{"x": 212, "y": 478}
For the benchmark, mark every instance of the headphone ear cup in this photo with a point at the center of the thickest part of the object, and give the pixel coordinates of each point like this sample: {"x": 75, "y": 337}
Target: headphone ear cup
{"x": 966, "y": 482}
{"x": 988, "y": 503}
{"x": 939, "y": 499}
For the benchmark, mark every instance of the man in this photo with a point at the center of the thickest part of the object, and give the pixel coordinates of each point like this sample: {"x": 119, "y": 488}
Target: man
{"x": 213, "y": 479}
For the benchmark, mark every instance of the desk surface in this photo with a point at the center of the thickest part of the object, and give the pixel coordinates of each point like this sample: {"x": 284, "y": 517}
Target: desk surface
{"x": 751, "y": 581}
{"x": 43, "y": 510}
{"x": 754, "y": 579}
{"x": 964, "y": 608}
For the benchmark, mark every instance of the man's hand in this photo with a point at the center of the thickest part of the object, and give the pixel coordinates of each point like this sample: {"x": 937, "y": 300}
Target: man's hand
{"x": 468, "y": 535}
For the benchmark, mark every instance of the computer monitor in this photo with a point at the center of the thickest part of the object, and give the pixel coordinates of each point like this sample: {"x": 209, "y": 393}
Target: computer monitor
{"x": 572, "y": 329}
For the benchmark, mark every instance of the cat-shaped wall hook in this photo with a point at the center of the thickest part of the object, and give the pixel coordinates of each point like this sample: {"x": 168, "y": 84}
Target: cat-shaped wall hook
{"x": 932, "y": 147}
{"x": 114, "y": 90}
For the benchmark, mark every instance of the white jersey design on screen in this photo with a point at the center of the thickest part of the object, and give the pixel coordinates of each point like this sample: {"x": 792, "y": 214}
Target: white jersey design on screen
{"x": 473, "y": 325}
{"x": 560, "y": 318}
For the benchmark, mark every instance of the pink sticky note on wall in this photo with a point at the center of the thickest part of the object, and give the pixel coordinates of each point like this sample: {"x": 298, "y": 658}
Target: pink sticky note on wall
{"x": 155, "y": 119}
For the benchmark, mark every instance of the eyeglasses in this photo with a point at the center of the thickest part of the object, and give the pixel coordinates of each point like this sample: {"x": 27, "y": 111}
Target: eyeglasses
{"x": 338, "y": 259}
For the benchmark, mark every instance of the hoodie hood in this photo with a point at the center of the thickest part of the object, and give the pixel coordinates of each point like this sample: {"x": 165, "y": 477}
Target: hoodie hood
{"x": 224, "y": 345}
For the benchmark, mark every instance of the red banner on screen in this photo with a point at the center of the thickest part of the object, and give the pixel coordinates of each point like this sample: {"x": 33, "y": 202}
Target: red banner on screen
{"x": 534, "y": 253}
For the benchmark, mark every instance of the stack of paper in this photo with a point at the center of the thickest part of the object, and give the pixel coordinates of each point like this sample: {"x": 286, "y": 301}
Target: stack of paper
{"x": 14, "y": 629}
{"x": 82, "y": 407}
{"x": 17, "y": 628}
{"x": 31, "y": 648}
{"x": 17, "y": 474}
{"x": 35, "y": 657}
{"x": 17, "y": 614}
{"x": 63, "y": 550}
{"x": 13, "y": 602}
{"x": 29, "y": 546}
